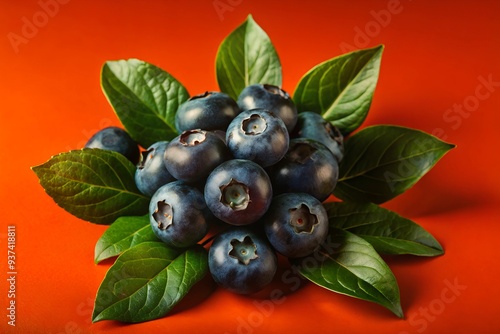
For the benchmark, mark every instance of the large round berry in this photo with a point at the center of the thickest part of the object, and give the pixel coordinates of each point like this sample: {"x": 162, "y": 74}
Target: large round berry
{"x": 296, "y": 224}
{"x": 178, "y": 214}
{"x": 115, "y": 139}
{"x": 314, "y": 126}
{"x": 242, "y": 261}
{"x": 193, "y": 154}
{"x": 308, "y": 167}
{"x": 151, "y": 172}
{"x": 238, "y": 192}
{"x": 258, "y": 135}
{"x": 272, "y": 98}
{"x": 209, "y": 111}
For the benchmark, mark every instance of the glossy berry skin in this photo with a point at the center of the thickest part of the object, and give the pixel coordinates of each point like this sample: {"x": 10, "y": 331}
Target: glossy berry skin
{"x": 238, "y": 192}
{"x": 242, "y": 261}
{"x": 151, "y": 172}
{"x": 308, "y": 167}
{"x": 178, "y": 214}
{"x": 272, "y": 98}
{"x": 193, "y": 154}
{"x": 296, "y": 224}
{"x": 208, "y": 111}
{"x": 258, "y": 135}
{"x": 115, "y": 139}
{"x": 314, "y": 126}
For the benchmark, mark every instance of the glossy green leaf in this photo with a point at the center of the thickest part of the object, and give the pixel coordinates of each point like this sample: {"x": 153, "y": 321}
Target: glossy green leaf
{"x": 385, "y": 230}
{"x": 147, "y": 281}
{"x": 246, "y": 57}
{"x": 349, "y": 265}
{"x": 341, "y": 89}
{"x": 93, "y": 184}
{"x": 144, "y": 97}
{"x": 381, "y": 162}
{"x": 124, "y": 233}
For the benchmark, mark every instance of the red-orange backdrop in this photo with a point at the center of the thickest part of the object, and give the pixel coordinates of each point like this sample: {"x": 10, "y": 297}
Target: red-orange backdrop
{"x": 438, "y": 56}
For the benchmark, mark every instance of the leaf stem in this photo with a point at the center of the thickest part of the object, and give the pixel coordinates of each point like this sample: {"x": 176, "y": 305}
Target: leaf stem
{"x": 204, "y": 243}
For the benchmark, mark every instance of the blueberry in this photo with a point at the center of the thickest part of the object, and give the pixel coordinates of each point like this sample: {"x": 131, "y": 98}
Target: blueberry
{"x": 178, "y": 214}
{"x": 272, "y": 98}
{"x": 257, "y": 135}
{"x": 242, "y": 261}
{"x": 308, "y": 167}
{"x": 296, "y": 224}
{"x": 221, "y": 134}
{"x": 208, "y": 111}
{"x": 115, "y": 139}
{"x": 314, "y": 126}
{"x": 151, "y": 172}
{"x": 193, "y": 154}
{"x": 238, "y": 192}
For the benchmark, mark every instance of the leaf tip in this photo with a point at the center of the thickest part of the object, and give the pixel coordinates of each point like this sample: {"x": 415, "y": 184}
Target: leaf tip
{"x": 395, "y": 307}
{"x": 35, "y": 168}
{"x": 398, "y": 311}
{"x": 451, "y": 146}
{"x": 439, "y": 249}
{"x": 96, "y": 318}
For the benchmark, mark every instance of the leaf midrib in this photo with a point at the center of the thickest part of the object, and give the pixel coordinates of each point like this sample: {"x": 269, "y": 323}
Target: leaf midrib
{"x": 89, "y": 185}
{"x": 412, "y": 242}
{"x": 134, "y": 235}
{"x": 361, "y": 173}
{"x": 350, "y": 83}
{"x": 359, "y": 278}
{"x": 115, "y": 85}
{"x": 129, "y": 297}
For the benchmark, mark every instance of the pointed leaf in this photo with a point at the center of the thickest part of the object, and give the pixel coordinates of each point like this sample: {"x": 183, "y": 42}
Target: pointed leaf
{"x": 93, "y": 184}
{"x": 246, "y": 57}
{"x": 147, "y": 281}
{"x": 381, "y": 162}
{"x": 385, "y": 230}
{"x": 342, "y": 88}
{"x": 124, "y": 233}
{"x": 144, "y": 97}
{"x": 352, "y": 267}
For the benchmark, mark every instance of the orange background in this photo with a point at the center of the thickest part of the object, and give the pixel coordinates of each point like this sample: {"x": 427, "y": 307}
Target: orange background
{"x": 436, "y": 54}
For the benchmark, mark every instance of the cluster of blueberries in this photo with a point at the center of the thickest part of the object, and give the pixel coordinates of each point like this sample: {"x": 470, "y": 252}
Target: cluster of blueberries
{"x": 254, "y": 165}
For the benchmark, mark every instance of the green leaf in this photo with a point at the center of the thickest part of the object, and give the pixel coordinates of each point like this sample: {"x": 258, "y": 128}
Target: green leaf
{"x": 341, "y": 89}
{"x": 147, "y": 280}
{"x": 385, "y": 230}
{"x": 93, "y": 184}
{"x": 381, "y": 162}
{"x": 124, "y": 233}
{"x": 144, "y": 97}
{"x": 348, "y": 264}
{"x": 246, "y": 57}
